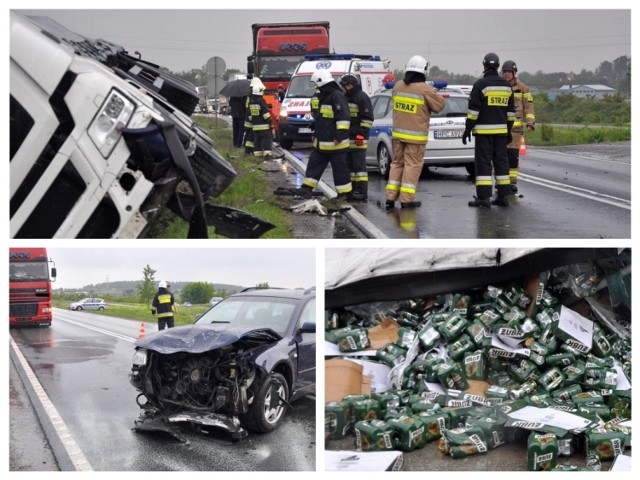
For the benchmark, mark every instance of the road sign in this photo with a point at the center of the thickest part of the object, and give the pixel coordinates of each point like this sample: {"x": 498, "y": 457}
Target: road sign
{"x": 216, "y": 66}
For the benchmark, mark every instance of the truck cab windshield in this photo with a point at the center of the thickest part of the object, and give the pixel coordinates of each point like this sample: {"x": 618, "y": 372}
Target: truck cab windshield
{"x": 28, "y": 272}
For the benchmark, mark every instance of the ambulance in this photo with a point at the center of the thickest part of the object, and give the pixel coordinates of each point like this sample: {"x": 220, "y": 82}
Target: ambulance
{"x": 295, "y": 123}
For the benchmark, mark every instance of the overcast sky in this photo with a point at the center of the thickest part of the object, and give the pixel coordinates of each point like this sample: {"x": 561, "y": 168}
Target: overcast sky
{"x": 280, "y": 267}
{"x": 550, "y": 40}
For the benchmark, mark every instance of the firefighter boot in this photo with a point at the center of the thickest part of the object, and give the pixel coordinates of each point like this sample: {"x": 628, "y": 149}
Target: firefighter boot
{"x": 500, "y": 202}
{"x": 480, "y": 202}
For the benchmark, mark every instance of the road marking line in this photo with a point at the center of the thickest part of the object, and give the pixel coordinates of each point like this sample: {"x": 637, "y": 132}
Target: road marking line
{"x": 78, "y": 459}
{"x": 100, "y": 330}
{"x": 580, "y": 192}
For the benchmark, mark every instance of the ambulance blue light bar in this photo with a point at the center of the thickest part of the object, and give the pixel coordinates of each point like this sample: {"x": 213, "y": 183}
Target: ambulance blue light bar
{"x": 341, "y": 56}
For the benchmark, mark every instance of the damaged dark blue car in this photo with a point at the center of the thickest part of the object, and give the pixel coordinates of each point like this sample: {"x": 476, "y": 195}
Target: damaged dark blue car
{"x": 238, "y": 367}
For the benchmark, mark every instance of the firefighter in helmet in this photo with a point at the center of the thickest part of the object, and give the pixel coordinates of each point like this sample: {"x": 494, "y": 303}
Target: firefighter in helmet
{"x": 361, "y": 112}
{"x": 413, "y": 102}
{"x": 525, "y": 118}
{"x": 331, "y": 136}
{"x": 490, "y": 117}
{"x": 164, "y": 305}
{"x": 259, "y": 120}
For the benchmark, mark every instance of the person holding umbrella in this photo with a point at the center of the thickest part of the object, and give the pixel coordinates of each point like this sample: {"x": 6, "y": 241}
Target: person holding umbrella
{"x": 237, "y": 92}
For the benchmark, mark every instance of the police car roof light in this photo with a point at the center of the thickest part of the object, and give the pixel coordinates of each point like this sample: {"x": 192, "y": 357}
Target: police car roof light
{"x": 438, "y": 83}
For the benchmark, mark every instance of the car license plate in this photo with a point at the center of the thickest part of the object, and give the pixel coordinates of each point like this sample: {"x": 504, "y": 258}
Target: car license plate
{"x": 308, "y": 130}
{"x": 447, "y": 133}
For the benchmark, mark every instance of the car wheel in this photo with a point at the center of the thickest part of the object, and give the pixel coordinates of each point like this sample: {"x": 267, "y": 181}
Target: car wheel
{"x": 471, "y": 169}
{"x": 384, "y": 159}
{"x": 78, "y": 309}
{"x": 100, "y": 308}
{"x": 269, "y": 405}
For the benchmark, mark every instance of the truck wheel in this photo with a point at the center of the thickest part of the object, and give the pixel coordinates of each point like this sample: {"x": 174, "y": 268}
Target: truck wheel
{"x": 269, "y": 405}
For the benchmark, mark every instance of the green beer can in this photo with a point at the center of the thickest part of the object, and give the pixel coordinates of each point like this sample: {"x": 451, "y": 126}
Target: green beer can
{"x": 373, "y": 436}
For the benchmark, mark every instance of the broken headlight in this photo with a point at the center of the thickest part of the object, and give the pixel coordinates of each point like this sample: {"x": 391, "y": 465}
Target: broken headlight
{"x": 140, "y": 358}
{"x": 113, "y": 116}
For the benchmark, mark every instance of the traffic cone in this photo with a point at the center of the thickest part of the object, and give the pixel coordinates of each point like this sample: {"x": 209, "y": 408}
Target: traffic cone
{"x": 141, "y": 332}
{"x": 523, "y": 147}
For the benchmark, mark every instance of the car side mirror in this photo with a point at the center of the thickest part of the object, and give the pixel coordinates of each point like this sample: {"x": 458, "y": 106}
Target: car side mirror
{"x": 308, "y": 327}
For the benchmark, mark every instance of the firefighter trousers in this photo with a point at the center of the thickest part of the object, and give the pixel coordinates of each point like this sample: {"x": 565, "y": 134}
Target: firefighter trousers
{"x": 356, "y": 160}
{"x": 513, "y": 154}
{"x": 317, "y": 164}
{"x": 404, "y": 174}
{"x": 262, "y": 143}
{"x": 491, "y": 157}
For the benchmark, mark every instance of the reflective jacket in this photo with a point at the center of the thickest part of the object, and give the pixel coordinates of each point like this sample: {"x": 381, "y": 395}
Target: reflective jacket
{"x": 523, "y": 101}
{"x": 258, "y": 115}
{"x": 331, "y": 121}
{"x": 361, "y": 113}
{"x": 491, "y": 107}
{"x": 163, "y": 303}
{"x": 412, "y": 107}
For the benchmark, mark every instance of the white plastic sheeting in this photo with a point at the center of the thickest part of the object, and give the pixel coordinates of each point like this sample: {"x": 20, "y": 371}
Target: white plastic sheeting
{"x": 344, "y": 266}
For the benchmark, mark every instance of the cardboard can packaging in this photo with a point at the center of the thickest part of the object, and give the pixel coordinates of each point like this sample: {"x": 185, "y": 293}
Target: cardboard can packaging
{"x": 605, "y": 444}
{"x": 373, "y": 436}
{"x": 434, "y": 424}
{"x": 367, "y": 409}
{"x": 353, "y": 341}
{"x": 542, "y": 451}
{"x": 336, "y": 420}
{"x": 409, "y": 432}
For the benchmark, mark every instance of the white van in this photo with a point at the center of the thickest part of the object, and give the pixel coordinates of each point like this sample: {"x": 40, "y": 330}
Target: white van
{"x": 295, "y": 123}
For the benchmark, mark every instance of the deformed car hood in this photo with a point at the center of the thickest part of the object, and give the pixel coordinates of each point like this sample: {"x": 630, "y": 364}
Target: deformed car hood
{"x": 204, "y": 338}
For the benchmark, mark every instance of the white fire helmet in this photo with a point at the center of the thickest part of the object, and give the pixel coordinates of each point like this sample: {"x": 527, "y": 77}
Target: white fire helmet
{"x": 322, "y": 77}
{"x": 162, "y": 284}
{"x": 257, "y": 89}
{"x": 416, "y": 64}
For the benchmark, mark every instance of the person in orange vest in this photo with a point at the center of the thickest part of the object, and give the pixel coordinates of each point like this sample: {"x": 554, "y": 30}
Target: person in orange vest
{"x": 413, "y": 101}
{"x": 525, "y": 115}
{"x": 164, "y": 304}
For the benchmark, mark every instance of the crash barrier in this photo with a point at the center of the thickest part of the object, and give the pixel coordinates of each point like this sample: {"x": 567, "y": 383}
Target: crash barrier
{"x": 545, "y": 363}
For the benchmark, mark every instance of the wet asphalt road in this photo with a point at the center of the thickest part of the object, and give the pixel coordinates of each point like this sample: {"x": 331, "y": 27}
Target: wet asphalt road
{"x": 83, "y": 361}
{"x": 564, "y": 193}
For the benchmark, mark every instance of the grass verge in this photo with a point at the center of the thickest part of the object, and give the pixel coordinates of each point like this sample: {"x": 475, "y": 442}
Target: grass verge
{"x": 249, "y": 192}
{"x": 142, "y": 313}
{"x": 551, "y": 136}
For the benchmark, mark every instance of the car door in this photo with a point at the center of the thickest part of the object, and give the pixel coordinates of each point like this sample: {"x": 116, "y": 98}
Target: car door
{"x": 306, "y": 342}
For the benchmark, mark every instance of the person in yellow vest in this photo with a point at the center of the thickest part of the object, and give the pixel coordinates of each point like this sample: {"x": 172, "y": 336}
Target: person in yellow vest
{"x": 413, "y": 101}
{"x": 525, "y": 115}
{"x": 164, "y": 305}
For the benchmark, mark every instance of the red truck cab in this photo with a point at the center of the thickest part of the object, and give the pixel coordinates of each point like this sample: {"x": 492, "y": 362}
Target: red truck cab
{"x": 30, "y": 290}
{"x": 278, "y": 48}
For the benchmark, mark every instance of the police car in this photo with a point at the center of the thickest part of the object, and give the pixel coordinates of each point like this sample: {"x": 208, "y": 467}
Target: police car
{"x": 88, "y": 304}
{"x": 445, "y": 147}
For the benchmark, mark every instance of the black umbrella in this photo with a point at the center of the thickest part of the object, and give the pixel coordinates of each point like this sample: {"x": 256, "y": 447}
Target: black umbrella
{"x": 236, "y": 88}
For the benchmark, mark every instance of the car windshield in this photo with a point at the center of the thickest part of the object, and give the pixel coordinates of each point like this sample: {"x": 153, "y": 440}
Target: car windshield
{"x": 268, "y": 312}
{"x": 301, "y": 87}
{"x": 453, "y": 107}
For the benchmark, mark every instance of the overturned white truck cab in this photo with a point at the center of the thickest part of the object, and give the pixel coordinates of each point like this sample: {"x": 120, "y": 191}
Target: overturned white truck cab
{"x": 101, "y": 141}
